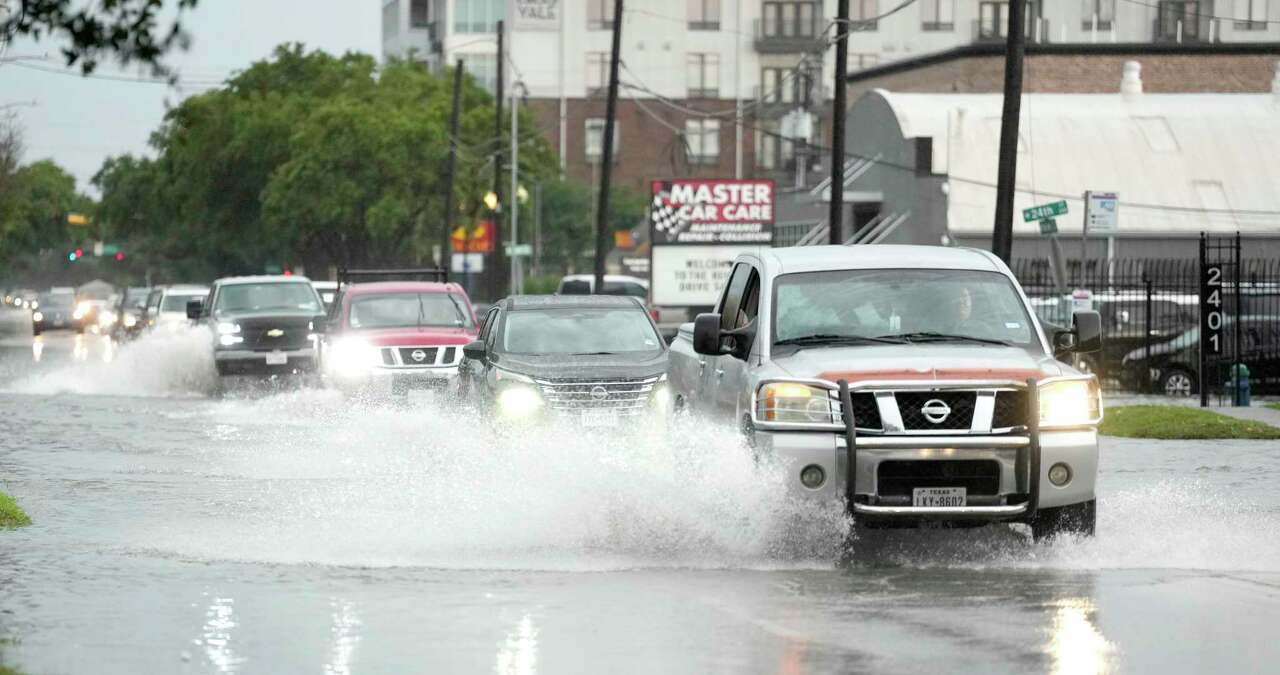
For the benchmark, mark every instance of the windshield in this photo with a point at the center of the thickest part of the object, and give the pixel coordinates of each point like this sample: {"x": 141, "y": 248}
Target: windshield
{"x": 901, "y": 303}
{"x": 266, "y": 296}
{"x": 57, "y": 300}
{"x": 135, "y": 298}
{"x": 177, "y": 302}
{"x": 579, "y": 331}
{"x": 401, "y": 310}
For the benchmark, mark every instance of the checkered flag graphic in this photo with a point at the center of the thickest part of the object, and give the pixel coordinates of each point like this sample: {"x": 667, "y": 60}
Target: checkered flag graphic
{"x": 664, "y": 216}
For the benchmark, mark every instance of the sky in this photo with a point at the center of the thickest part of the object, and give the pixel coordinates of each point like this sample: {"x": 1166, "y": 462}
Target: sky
{"x": 79, "y": 122}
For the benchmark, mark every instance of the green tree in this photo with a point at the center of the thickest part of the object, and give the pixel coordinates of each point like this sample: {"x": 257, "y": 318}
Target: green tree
{"x": 129, "y": 30}
{"x": 33, "y": 212}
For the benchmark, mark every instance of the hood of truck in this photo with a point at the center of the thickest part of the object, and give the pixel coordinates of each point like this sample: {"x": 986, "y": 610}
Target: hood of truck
{"x": 919, "y": 362}
{"x": 590, "y": 366}
{"x": 426, "y": 336}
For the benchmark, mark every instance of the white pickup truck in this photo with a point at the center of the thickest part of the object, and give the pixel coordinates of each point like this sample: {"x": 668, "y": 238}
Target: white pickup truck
{"x": 911, "y": 383}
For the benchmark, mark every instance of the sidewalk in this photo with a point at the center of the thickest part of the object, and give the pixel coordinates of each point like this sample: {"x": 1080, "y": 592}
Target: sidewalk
{"x": 1255, "y": 413}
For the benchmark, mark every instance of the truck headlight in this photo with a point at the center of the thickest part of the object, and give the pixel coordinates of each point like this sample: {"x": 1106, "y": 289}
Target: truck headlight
{"x": 352, "y": 357}
{"x": 1070, "y": 403}
{"x": 661, "y": 396}
{"x": 37, "y": 317}
{"x": 227, "y": 328}
{"x": 795, "y": 403}
{"x": 107, "y": 319}
{"x": 130, "y": 321}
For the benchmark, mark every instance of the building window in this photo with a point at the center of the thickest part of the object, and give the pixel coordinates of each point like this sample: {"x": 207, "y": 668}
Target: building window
{"x": 704, "y": 14}
{"x": 860, "y": 61}
{"x": 863, "y": 13}
{"x": 702, "y": 138}
{"x": 595, "y": 140}
{"x": 702, "y": 73}
{"x": 419, "y": 13}
{"x": 390, "y": 20}
{"x": 599, "y": 14}
{"x": 790, "y": 20}
{"x": 1104, "y": 10}
{"x": 785, "y": 85}
{"x": 484, "y": 68}
{"x": 937, "y": 15}
{"x": 477, "y": 16}
{"x": 597, "y": 76}
{"x": 772, "y": 150}
{"x": 1180, "y": 20}
{"x": 1250, "y": 15}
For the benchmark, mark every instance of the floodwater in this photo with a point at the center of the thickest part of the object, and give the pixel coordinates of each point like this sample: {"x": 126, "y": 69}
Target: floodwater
{"x": 282, "y": 529}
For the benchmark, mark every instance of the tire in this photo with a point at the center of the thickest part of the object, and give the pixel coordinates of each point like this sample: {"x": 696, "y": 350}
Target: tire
{"x": 1076, "y": 519}
{"x": 1178, "y": 382}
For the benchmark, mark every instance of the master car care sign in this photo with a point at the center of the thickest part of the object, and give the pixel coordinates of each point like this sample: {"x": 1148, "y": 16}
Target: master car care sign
{"x": 697, "y": 228}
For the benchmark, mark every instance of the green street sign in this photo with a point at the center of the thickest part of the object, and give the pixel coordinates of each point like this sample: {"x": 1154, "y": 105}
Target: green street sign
{"x": 1043, "y": 211}
{"x": 519, "y": 250}
{"x": 1048, "y": 226}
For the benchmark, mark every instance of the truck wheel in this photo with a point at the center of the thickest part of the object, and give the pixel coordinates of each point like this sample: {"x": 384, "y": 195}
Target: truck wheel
{"x": 1078, "y": 519}
{"x": 1178, "y": 382}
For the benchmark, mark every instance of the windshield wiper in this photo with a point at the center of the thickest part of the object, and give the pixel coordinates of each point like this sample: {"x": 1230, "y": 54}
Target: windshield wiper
{"x": 590, "y": 353}
{"x": 831, "y": 339}
{"x": 421, "y": 311}
{"x": 930, "y": 336}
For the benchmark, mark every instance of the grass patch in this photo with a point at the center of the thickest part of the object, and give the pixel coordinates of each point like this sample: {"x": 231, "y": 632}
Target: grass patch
{"x": 11, "y": 516}
{"x": 1274, "y": 406}
{"x": 1180, "y": 423}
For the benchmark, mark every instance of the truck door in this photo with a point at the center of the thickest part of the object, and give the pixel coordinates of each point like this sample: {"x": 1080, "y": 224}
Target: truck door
{"x": 712, "y": 368}
{"x": 731, "y": 372}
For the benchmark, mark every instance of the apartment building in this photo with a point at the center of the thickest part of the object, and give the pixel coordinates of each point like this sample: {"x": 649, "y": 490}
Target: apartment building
{"x": 718, "y": 87}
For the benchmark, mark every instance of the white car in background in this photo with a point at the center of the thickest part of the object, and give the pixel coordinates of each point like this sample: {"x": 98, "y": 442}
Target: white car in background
{"x": 167, "y": 306}
{"x": 328, "y": 290}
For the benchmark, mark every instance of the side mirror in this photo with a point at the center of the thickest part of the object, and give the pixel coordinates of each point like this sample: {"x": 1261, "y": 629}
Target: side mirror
{"x": 706, "y": 334}
{"x": 194, "y": 308}
{"x": 475, "y": 350}
{"x": 1087, "y": 327}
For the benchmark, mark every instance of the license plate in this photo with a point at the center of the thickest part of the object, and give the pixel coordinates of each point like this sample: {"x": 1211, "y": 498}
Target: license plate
{"x": 599, "y": 418}
{"x": 938, "y": 497}
{"x": 277, "y": 358}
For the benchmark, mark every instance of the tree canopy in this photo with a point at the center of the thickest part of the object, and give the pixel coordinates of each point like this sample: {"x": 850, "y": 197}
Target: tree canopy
{"x": 132, "y": 31}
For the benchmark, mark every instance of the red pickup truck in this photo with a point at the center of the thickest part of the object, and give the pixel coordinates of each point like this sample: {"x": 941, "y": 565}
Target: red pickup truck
{"x": 387, "y": 337}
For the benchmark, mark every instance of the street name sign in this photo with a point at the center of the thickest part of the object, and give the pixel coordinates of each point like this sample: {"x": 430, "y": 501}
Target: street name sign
{"x": 1058, "y": 208}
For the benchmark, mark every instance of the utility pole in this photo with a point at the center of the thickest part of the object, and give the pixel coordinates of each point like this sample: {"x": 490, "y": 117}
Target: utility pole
{"x": 517, "y": 285}
{"x": 446, "y": 256}
{"x": 492, "y": 270}
{"x": 835, "y": 218}
{"x": 606, "y": 158}
{"x": 1007, "y": 165}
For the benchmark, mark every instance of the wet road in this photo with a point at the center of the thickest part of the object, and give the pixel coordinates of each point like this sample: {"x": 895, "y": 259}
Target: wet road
{"x": 287, "y": 531}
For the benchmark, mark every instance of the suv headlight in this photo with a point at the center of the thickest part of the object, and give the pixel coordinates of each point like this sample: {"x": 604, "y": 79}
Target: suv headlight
{"x": 518, "y": 395}
{"x": 796, "y": 403}
{"x": 661, "y": 395}
{"x": 227, "y": 328}
{"x": 1070, "y": 403}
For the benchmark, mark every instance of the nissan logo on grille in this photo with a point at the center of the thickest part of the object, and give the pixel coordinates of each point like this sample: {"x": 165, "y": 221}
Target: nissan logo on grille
{"x": 418, "y": 355}
{"x": 599, "y": 393}
{"x": 935, "y": 411}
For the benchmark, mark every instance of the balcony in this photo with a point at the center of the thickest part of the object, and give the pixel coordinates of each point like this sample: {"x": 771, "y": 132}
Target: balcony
{"x": 788, "y": 36}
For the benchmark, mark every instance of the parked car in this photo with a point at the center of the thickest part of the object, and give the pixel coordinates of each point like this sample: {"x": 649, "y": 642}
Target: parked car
{"x": 589, "y": 360}
{"x": 909, "y": 382}
{"x": 1174, "y": 366}
{"x": 328, "y": 290}
{"x": 130, "y": 313}
{"x": 167, "y": 306}
{"x": 261, "y": 325}
{"x": 52, "y": 311}
{"x": 393, "y": 336}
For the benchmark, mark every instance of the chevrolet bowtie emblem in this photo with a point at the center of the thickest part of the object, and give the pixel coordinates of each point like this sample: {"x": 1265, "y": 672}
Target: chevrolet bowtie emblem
{"x": 275, "y": 332}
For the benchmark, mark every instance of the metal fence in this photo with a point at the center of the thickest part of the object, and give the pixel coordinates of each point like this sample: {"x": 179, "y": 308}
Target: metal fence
{"x": 1151, "y": 316}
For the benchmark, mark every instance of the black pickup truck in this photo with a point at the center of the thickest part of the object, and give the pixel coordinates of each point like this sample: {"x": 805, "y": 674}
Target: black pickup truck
{"x": 261, "y": 325}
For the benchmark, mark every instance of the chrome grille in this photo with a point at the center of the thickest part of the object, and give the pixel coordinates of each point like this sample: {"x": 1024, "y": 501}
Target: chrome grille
{"x": 402, "y": 357}
{"x": 911, "y": 406}
{"x": 628, "y": 396}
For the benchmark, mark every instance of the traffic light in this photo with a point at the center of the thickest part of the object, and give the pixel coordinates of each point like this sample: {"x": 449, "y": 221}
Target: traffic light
{"x": 79, "y": 253}
{"x": 119, "y": 256}
{"x": 72, "y": 256}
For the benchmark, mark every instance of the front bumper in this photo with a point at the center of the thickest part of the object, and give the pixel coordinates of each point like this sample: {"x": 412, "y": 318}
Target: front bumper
{"x": 379, "y": 379}
{"x": 250, "y": 362}
{"x": 1011, "y": 501}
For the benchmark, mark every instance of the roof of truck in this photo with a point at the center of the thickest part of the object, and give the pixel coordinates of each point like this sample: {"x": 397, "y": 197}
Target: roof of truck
{"x": 821, "y": 258}
{"x": 517, "y": 302}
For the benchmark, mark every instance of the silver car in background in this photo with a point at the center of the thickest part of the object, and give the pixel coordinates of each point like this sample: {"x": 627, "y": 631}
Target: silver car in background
{"x": 912, "y": 383}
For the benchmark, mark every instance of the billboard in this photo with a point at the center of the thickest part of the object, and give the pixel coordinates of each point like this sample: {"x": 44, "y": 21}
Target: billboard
{"x": 711, "y": 211}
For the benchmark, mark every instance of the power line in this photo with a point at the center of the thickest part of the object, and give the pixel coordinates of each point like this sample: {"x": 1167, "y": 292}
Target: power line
{"x": 119, "y": 78}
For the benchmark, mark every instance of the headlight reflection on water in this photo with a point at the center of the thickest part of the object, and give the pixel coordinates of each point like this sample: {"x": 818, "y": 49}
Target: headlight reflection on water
{"x": 1076, "y": 645}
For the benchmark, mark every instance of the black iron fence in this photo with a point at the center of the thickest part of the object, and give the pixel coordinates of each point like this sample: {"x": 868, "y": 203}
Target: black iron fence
{"x": 1151, "y": 317}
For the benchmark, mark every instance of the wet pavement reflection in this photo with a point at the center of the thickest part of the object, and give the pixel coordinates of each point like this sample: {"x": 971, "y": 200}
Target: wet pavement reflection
{"x": 287, "y": 530}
